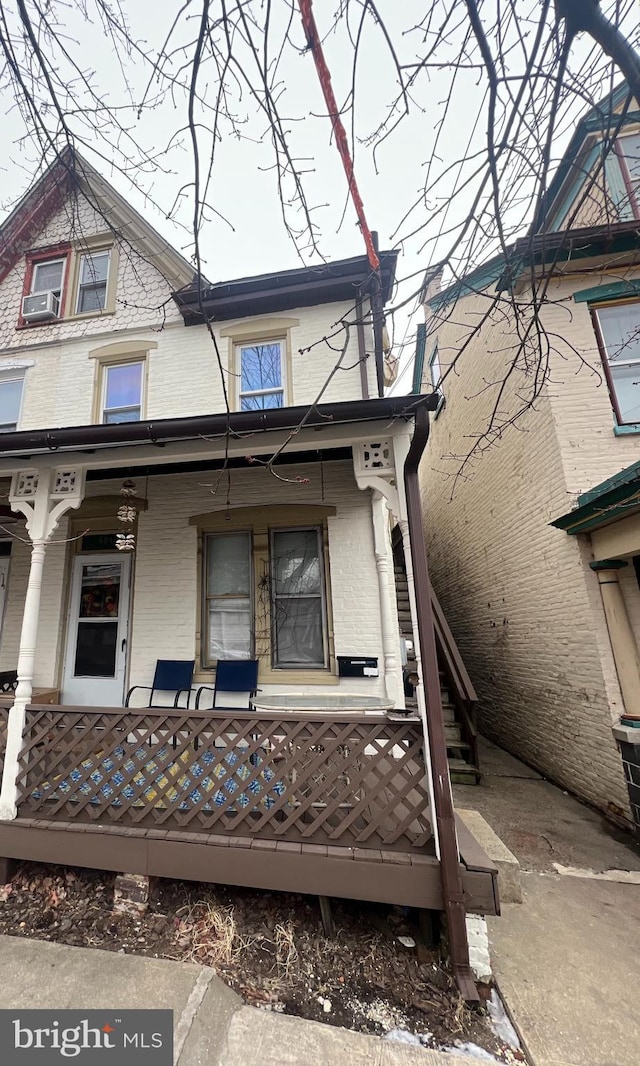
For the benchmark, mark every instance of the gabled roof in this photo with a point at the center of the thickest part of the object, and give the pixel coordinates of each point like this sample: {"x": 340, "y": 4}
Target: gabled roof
{"x": 597, "y": 120}
{"x": 540, "y": 246}
{"x": 71, "y": 171}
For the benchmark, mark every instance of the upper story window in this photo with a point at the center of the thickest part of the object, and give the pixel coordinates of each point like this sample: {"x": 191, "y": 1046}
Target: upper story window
{"x": 618, "y": 327}
{"x": 629, "y": 149}
{"x": 11, "y": 389}
{"x": 261, "y": 374}
{"x": 122, "y": 391}
{"x": 66, "y": 281}
{"x": 42, "y": 301}
{"x": 92, "y": 282}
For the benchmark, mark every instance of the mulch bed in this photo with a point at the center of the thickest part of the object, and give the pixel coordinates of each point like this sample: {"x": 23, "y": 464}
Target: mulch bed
{"x": 269, "y": 947}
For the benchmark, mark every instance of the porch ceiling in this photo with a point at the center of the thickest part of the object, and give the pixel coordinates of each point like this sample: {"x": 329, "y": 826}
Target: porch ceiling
{"x": 205, "y": 437}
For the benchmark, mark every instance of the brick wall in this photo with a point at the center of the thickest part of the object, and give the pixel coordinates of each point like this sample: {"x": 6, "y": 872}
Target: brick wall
{"x": 518, "y": 594}
{"x": 166, "y": 570}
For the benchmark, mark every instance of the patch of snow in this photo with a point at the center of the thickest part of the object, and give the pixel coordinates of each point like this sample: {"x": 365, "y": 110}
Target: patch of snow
{"x": 402, "y": 1036}
{"x": 471, "y": 1051}
{"x": 500, "y": 1021}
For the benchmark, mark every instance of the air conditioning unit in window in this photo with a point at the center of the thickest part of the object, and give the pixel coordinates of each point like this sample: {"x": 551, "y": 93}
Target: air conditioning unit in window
{"x": 40, "y": 307}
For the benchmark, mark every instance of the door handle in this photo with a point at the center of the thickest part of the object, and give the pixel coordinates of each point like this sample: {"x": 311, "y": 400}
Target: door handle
{"x": 124, "y": 644}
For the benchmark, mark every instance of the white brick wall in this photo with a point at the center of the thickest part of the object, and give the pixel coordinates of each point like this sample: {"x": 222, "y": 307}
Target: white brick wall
{"x": 518, "y": 594}
{"x": 165, "y": 575}
{"x": 183, "y": 373}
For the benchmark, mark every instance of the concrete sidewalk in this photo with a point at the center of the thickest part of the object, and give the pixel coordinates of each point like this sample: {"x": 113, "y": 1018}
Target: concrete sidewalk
{"x": 565, "y": 958}
{"x": 212, "y": 1027}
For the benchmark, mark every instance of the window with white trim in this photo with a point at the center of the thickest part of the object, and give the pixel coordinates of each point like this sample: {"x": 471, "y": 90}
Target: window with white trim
{"x": 11, "y": 390}
{"x": 629, "y": 146}
{"x": 48, "y": 276}
{"x": 261, "y": 375}
{"x": 435, "y": 375}
{"x": 122, "y": 391}
{"x": 288, "y": 599}
{"x": 619, "y": 329}
{"x": 93, "y": 275}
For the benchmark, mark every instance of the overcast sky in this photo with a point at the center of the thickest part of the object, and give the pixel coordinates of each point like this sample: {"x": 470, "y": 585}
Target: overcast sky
{"x": 244, "y": 191}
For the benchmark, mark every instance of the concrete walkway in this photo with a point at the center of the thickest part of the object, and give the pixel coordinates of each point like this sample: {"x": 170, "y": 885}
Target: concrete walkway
{"x": 565, "y": 959}
{"x": 212, "y": 1027}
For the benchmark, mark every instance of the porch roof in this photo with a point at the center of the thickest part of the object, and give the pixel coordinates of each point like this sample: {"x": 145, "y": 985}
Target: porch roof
{"x": 238, "y": 424}
{"x": 617, "y": 497}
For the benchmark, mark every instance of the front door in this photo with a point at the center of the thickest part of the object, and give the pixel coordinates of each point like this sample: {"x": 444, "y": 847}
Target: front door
{"x": 96, "y": 655}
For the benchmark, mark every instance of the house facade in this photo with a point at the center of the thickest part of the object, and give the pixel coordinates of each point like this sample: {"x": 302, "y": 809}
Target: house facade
{"x": 199, "y": 473}
{"x": 530, "y": 478}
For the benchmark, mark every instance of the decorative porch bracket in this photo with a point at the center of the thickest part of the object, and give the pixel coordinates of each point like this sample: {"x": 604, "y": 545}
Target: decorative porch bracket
{"x": 374, "y": 469}
{"x": 43, "y": 496}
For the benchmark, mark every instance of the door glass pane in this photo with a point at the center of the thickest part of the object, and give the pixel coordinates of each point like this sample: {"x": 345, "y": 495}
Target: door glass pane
{"x": 124, "y": 383}
{"x": 229, "y": 564}
{"x": 96, "y": 649}
{"x": 298, "y": 626}
{"x": 100, "y": 593}
{"x": 296, "y": 562}
{"x": 229, "y": 628}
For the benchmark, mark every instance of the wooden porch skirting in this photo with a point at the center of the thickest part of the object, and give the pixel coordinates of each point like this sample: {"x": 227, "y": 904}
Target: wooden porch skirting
{"x": 411, "y": 880}
{"x": 330, "y": 804}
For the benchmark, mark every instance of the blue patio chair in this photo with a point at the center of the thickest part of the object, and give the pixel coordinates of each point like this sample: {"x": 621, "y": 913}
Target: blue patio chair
{"x": 172, "y": 675}
{"x": 232, "y": 676}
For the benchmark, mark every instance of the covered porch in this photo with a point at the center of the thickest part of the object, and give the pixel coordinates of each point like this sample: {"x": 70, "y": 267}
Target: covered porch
{"x": 311, "y": 790}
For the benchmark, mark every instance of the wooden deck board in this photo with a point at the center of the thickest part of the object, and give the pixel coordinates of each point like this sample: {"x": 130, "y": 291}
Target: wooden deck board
{"x": 351, "y": 873}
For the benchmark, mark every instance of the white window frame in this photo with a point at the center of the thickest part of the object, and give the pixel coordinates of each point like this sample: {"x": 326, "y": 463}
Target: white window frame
{"x": 80, "y": 286}
{"x": 262, "y": 343}
{"x": 105, "y": 368}
{"x": 5, "y": 377}
{"x": 322, "y": 595}
{"x": 35, "y": 263}
{"x": 633, "y": 182}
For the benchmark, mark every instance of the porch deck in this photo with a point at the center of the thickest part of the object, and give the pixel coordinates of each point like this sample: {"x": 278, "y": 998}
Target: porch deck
{"x": 330, "y": 804}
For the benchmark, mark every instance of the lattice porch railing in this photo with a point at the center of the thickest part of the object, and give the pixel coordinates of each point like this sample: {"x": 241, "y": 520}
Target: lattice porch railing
{"x": 343, "y": 779}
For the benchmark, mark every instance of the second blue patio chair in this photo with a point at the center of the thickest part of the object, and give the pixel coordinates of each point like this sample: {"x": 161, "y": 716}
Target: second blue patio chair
{"x": 232, "y": 676}
{"x": 171, "y": 675}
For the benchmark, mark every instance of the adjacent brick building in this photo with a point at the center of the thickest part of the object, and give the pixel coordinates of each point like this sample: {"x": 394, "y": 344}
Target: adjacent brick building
{"x": 530, "y": 480}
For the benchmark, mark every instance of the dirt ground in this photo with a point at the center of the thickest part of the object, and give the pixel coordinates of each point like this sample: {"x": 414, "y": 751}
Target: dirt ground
{"x": 269, "y": 947}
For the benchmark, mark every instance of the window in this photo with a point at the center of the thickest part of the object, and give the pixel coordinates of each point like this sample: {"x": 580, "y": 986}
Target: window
{"x": 229, "y": 603}
{"x": 261, "y": 375}
{"x": 619, "y": 327}
{"x": 630, "y": 149}
{"x": 122, "y": 392}
{"x": 11, "y": 386}
{"x": 48, "y": 276}
{"x": 297, "y": 598}
{"x": 435, "y": 374}
{"x": 268, "y": 602}
{"x": 92, "y": 282}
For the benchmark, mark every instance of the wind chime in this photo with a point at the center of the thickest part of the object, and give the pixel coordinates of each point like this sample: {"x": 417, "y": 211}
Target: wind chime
{"x": 127, "y": 514}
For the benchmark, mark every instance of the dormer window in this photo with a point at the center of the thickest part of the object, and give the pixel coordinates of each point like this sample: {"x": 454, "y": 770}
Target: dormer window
{"x": 92, "y": 282}
{"x": 629, "y": 149}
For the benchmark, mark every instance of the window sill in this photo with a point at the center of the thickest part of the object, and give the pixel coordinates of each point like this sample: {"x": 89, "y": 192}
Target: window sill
{"x": 623, "y": 431}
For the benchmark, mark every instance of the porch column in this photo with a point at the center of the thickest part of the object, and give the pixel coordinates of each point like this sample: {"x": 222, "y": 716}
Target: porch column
{"x": 43, "y": 497}
{"x": 623, "y": 641}
{"x": 388, "y": 612}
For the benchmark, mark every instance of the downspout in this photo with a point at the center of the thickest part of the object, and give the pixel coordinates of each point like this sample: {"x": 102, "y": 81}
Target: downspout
{"x": 362, "y": 351}
{"x": 452, "y": 890}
